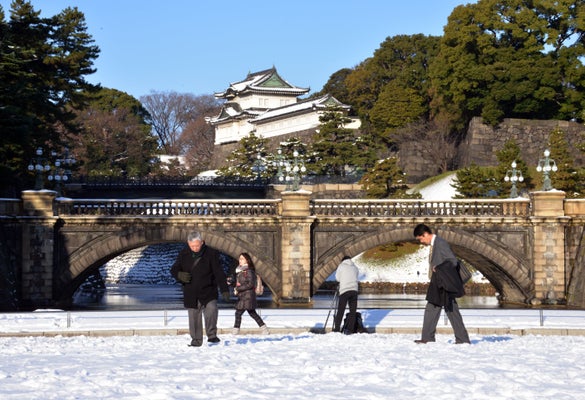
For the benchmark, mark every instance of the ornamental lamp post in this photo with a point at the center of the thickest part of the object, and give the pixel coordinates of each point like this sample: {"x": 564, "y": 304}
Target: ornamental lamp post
{"x": 39, "y": 164}
{"x": 546, "y": 165}
{"x": 258, "y": 167}
{"x": 295, "y": 171}
{"x": 280, "y": 166}
{"x": 514, "y": 176}
{"x": 62, "y": 171}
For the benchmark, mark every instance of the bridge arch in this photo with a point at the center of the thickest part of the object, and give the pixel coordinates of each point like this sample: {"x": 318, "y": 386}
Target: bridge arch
{"x": 76, "y": 265}
{"x": 509, "y": 273}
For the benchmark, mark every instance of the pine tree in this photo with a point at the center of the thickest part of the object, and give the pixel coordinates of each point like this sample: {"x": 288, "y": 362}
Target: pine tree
{"x": 249, "y": 160}
{"x": 386, "y": 179}
{"x": 476, "y": 182}
{"x": 115, "y": 139}
{"x": 43, "y": 62}
{"x": 338, "y": 150}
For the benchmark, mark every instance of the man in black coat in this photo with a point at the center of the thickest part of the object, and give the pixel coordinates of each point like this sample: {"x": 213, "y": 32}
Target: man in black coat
{"x": 198, "y": 269}
{"x": 444, "y": 287}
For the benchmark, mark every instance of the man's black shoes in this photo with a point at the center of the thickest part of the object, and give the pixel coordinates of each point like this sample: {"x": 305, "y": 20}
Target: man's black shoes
{"x": 198, "y": 343}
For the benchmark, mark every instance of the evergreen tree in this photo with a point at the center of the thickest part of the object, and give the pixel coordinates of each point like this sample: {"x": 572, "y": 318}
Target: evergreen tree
{"x": 386, "y": 179}
{"x": 43, "y": 62}
{"x": 290, "y": 145}
{"x": 336, "y": 86}
{"x": 396, "y": 107}
{"x": 510, "y": 59}
{"x": 249, "y": 160}
{"x": 115, "y": 140}
{"x": 392, "y": 88}
{"x": 338, "y": 150}
{"x": 476, "y": 182}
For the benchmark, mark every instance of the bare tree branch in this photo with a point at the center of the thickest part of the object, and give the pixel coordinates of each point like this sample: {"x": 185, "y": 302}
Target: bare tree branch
{"x": 171, "y": 112}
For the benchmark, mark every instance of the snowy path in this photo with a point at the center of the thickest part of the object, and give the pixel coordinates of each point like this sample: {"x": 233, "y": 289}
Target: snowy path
{"x": 290, "y": 320}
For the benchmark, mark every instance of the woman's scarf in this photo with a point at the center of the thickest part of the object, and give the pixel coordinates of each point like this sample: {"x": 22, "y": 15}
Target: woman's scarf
{"x": 241, "y": 268}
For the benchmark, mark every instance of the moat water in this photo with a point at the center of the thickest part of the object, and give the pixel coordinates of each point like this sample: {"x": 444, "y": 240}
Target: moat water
{"x": 126, "y": 297}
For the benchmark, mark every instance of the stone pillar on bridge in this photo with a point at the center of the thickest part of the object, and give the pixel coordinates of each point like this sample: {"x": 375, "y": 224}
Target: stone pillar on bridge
{"x": 37, "y": 248}
{"x": 296, "y": 248}
{"x": 549, "y": 221}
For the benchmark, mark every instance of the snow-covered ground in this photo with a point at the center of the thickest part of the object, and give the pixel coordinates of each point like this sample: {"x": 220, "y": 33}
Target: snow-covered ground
{"x": 291, "y": 364}
{"x": 440, "y": 190}
{"x": 288, "y": 367}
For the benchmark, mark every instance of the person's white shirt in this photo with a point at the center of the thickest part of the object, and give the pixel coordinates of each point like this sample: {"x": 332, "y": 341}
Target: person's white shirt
{"x": 347, "y": 275}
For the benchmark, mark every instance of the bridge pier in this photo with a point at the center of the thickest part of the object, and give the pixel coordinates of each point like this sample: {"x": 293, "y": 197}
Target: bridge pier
{"x": 37, "y": 248}
{"x": 549, "y": 225}
{"x": 296, "y": 248}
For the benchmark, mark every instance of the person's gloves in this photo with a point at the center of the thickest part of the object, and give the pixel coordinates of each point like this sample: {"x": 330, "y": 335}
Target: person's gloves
{"x": 226, "y": 296}
{"x": 184, "y": 277}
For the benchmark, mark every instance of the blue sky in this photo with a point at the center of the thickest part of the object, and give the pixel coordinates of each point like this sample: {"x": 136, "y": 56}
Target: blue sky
{"x": 201, "y": 46}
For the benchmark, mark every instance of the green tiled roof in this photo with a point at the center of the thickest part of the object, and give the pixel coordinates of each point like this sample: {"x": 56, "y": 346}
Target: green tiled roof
{"x": 274, "y": 81}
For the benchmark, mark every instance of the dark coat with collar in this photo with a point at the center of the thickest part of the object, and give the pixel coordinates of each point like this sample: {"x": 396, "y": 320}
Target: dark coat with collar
{"x": 445, "y": 285}
{"x": 206, "y": 275}
{"x": 445, "y": 282}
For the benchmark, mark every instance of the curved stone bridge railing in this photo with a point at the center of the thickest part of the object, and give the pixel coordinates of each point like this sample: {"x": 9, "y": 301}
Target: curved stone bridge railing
{"x": 152, "y": 207}
{"x": 330, "y": 208}
{"x": 421, "y": 208}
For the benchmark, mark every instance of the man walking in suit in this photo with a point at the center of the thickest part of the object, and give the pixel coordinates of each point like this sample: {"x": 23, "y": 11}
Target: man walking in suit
{"x": 444, "y": 287}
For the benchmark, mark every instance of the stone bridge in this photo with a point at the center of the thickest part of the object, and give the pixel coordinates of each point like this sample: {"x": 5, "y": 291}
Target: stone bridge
{"x": 531, "y": 250}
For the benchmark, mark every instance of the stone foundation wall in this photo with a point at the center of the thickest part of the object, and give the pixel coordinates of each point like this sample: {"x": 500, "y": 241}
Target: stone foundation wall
{"x": 482, "y": 141}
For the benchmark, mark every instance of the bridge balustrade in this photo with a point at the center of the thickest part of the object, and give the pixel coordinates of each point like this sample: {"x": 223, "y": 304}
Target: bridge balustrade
{"x": 418, "y": 208}
{"x": 10, "y": 207}
{"x": 223, "y": 208}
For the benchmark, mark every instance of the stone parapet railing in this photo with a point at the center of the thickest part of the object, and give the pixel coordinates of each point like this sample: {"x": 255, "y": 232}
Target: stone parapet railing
{"x": 273, "y": 207}
{"x": 152, "y": 207}
{"x": 421, "y": 208}
{"x": 318, "y": 207}
{"x": 574, "y": 207}
{"x": 10, "y": 207}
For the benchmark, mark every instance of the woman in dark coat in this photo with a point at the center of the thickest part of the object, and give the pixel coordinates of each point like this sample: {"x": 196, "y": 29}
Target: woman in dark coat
{"x": 245, "y": 290}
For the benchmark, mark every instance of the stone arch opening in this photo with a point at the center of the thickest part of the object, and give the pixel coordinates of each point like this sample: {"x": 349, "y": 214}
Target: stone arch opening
{"x": 86, "y": 259}
{"x": 508, "y": 274}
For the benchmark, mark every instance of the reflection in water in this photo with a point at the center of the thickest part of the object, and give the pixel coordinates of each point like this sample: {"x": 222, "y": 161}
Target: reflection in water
{"x": 132, "y": 297}
{"x": 169, "y": 297}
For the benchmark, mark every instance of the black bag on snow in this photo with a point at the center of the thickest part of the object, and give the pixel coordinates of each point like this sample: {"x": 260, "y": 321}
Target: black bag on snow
{"x": 358, "y": 327}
